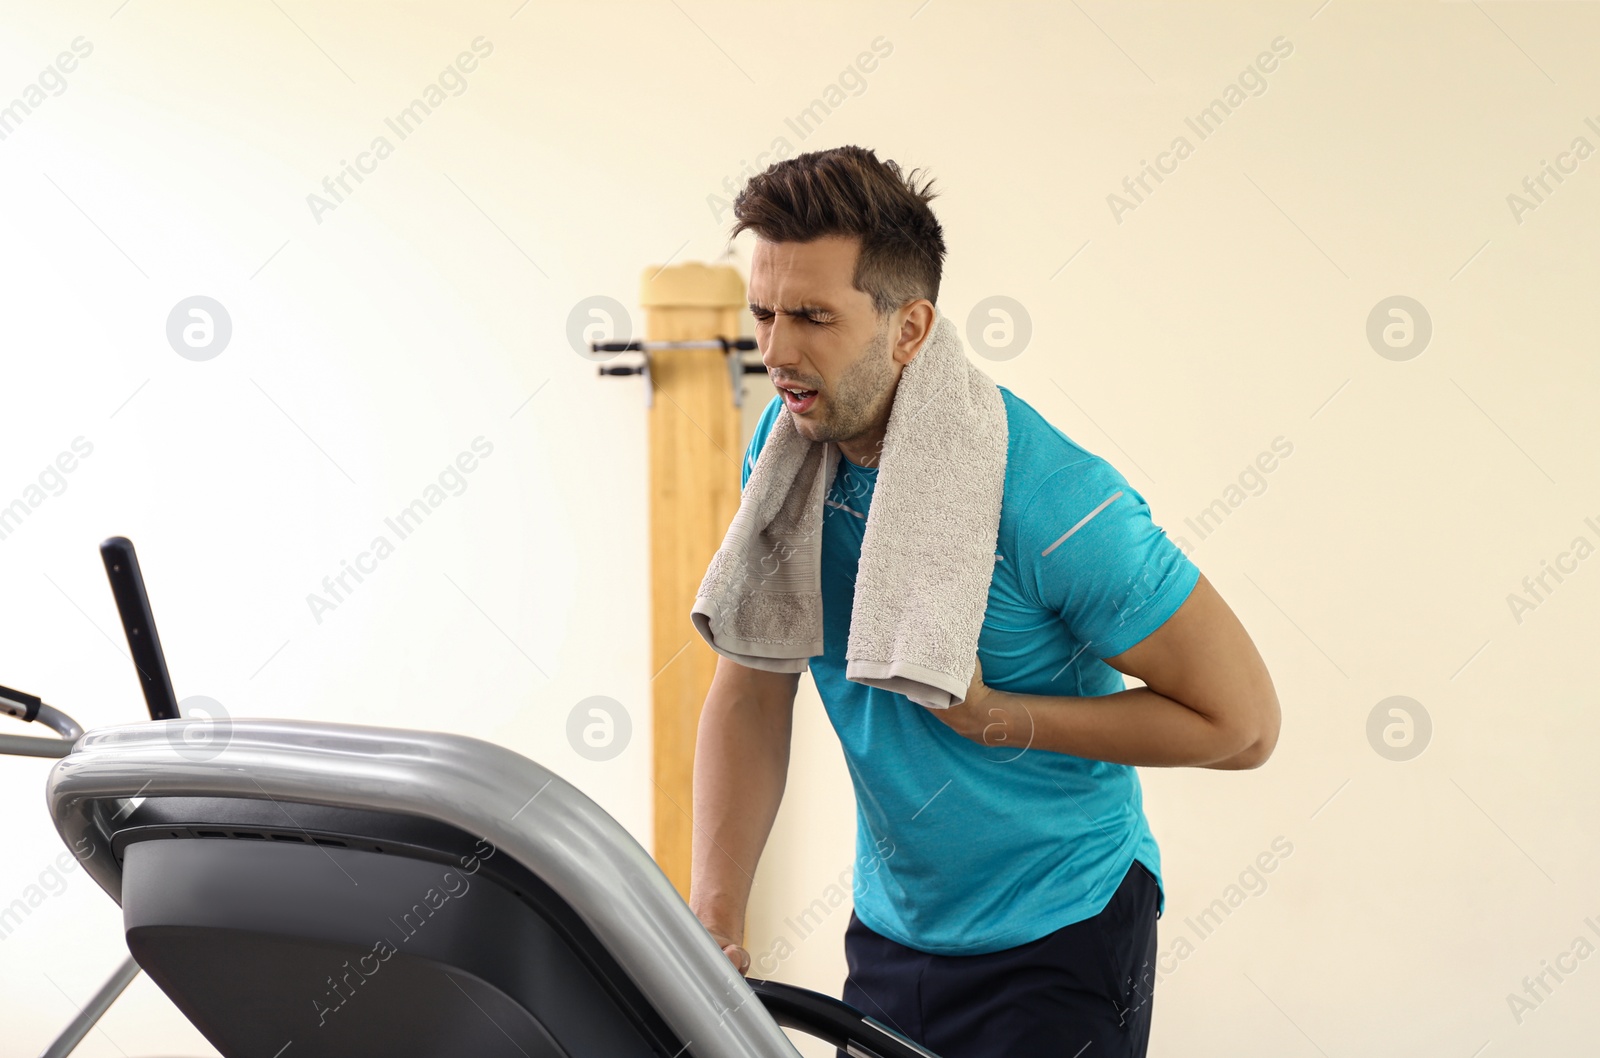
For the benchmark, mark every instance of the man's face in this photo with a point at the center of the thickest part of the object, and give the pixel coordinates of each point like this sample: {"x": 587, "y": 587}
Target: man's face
{"x": 817, "y": 332}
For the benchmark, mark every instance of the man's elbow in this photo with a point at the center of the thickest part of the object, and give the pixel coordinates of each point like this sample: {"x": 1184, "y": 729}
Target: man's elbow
{"x": 1254, "y": 755}
{"x": 1265, "y": 736}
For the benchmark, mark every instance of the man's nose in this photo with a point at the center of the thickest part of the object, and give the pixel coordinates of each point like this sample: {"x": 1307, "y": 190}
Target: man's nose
{"x": 779, "y": 350}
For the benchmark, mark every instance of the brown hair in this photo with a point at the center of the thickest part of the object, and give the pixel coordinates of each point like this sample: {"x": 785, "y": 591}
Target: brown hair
{"x": 848, "y": 191}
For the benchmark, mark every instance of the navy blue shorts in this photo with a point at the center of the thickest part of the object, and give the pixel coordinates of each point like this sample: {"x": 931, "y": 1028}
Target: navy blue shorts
{"x": 1084, "y": 989}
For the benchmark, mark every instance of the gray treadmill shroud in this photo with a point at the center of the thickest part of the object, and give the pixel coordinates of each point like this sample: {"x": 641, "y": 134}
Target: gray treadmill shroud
{"x": 319, "y": 889}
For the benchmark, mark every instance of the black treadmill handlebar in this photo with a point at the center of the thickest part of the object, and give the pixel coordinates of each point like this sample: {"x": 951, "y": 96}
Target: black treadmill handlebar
{"x": 133, "y": 604}
{"x": 833, "y": 1021}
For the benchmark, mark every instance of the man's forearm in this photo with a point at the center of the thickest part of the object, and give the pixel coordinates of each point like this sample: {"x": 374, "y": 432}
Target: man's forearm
{"x": 1136, "y": 726}
{"x": 738, "y": 785}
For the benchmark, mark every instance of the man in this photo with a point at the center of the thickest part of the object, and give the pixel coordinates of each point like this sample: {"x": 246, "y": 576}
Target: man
{"x": 1007, "y": 883}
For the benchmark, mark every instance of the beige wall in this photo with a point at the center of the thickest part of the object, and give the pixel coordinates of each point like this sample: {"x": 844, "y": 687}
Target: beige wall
{"x": 1179, "y": 336}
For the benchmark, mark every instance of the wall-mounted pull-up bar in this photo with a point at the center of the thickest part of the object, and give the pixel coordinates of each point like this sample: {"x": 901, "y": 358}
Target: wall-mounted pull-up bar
{"x": 731, "y": 348}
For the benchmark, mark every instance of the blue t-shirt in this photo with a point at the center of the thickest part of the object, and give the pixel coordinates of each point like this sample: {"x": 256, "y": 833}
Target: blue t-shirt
{"x": 963, "y": 848}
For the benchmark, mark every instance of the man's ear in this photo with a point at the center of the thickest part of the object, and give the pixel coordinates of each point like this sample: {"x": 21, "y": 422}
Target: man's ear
{"x": 915, "y": 327}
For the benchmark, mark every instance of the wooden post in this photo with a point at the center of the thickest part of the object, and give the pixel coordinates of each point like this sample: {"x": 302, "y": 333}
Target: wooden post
{"x": 695, "y": 451}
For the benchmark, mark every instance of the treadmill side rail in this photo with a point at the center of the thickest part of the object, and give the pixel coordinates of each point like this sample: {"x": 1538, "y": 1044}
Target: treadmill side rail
{"x": 521, "y": 808}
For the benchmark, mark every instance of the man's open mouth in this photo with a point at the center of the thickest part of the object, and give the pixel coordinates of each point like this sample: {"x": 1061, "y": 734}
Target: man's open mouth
{"x": 799, "y": 401}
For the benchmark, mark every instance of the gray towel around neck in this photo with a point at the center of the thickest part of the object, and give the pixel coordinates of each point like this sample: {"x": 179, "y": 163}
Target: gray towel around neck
{"x": 922, "y": 583}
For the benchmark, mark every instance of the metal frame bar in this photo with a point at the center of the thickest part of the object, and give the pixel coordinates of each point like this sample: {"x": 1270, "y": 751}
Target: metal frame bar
{"x": 92, "y": 1011}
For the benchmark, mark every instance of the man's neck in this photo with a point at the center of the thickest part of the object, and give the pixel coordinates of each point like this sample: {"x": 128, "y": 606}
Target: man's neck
{"x": 865, "y": 451}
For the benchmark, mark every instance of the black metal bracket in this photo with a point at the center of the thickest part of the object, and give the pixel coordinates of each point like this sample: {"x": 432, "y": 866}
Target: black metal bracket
{"x": 731, "y": 348}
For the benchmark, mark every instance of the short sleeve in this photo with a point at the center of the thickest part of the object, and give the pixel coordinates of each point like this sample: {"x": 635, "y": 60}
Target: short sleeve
{"x": 1090, "y": 552}
{"x": 753, "y": 450}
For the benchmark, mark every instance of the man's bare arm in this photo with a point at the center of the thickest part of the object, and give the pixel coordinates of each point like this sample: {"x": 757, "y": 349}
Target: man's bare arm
{"x": 1203, "y": 658}
{"x": 1208, "y": 700}
{"x": 741, "y": 763}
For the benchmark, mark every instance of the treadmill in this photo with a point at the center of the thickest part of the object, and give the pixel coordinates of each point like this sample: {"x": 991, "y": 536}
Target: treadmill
{"x": 306, "y": 889}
